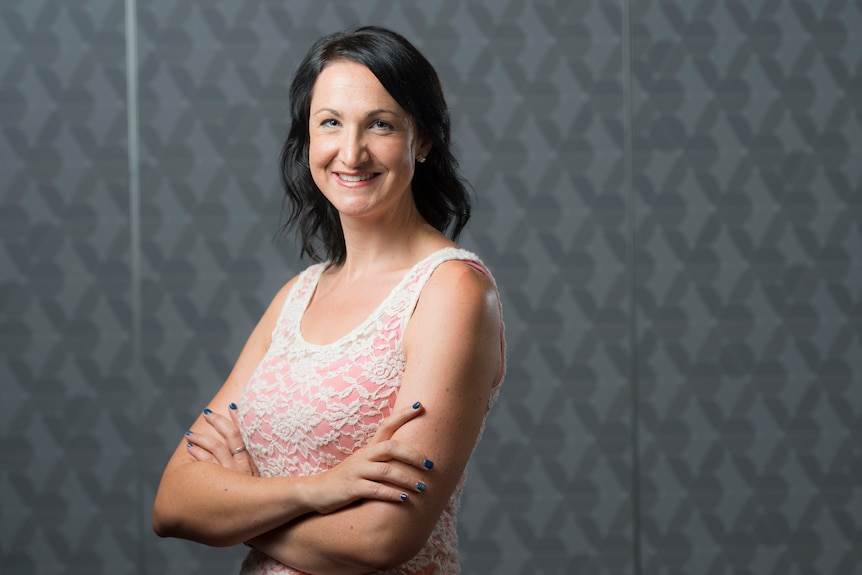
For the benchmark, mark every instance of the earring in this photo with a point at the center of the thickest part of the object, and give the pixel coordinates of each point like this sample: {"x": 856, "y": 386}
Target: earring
{"x": 420, "y": 158}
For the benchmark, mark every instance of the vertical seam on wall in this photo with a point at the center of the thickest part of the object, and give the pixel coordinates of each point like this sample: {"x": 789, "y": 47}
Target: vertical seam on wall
{"x": 135, "y": 256}
{"x": 631, "y": 266}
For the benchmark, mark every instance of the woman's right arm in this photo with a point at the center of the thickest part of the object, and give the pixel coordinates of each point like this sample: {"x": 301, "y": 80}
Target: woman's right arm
{"x": 222, "y": 506}
{"x": 209, "y": 494}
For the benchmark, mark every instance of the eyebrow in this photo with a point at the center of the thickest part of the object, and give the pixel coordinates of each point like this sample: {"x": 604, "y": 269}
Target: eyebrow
{"x": 368, "y": 115}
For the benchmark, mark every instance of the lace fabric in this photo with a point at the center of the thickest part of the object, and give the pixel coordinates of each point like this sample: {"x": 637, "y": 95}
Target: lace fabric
{"x": 307, "y": 406}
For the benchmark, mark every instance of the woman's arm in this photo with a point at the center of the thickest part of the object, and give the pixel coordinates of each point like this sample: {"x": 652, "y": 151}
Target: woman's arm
{"x": 454, "y": 357}
{"x": 224, "y": 504}
{"x": 217, "y": 505}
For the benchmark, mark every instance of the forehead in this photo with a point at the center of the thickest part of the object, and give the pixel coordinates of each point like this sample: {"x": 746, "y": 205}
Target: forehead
{"x": 347, "y": 82}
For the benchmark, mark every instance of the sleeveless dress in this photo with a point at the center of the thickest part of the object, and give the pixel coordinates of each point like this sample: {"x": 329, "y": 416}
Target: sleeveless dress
{"x": 307, "y": 407}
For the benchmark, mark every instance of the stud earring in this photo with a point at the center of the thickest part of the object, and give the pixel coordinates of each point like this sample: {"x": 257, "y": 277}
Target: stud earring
{"x": 420, "y": 158}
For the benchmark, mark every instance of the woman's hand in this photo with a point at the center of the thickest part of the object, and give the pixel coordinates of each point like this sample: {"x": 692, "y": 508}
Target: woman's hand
{"x": 227, "y": 449}
{"x": 369, "y": 473}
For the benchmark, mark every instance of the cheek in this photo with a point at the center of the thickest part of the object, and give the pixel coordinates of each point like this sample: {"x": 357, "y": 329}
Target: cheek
{"x": 400, "y": 154}
{"x": 317, "y": 162}
{"x": 314, "y": 151}
{"x": 320, "y": 150}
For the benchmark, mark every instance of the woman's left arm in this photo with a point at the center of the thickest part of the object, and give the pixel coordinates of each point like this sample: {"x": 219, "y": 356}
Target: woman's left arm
{"x": 454, "y": 356}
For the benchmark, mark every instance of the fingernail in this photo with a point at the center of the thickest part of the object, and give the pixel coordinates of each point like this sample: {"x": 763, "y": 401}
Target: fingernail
{"x": 416, "y": 405}
{"x": 190, "y": 444}
{"x": 233, "y": 406}
{"x": 428, "y": 464}
{"x": 403, "y": 497}
{"x": 207, "y": 411}
{"x": 189, "y": 432}
{"x": 420, "y": 486}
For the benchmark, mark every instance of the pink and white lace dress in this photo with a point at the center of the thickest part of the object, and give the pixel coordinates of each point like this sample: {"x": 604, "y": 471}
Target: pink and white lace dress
{"x": 307, "y": 407}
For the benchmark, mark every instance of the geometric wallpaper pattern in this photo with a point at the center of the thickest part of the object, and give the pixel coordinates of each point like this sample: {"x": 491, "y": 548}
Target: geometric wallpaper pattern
{"x": 747, "y": 136}
{"x": 669, "y": 193}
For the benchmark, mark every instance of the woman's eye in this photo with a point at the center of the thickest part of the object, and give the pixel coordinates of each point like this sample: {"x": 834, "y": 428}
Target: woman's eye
{"x": 329, "y": 123}
{"x": 381, "y": 125}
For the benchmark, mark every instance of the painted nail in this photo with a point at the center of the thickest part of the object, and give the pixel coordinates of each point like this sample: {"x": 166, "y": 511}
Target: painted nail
{"x": 189, "y": 432}
{"x": 403, "y": 497}
{"x": 420, "y": 486}
{"x": 207, "y": 411}
{"x": 416, "y": 405}
{"x": 190, "y": 444}
{"x": 233, "y": 406}
{"x": 428, "y": 464}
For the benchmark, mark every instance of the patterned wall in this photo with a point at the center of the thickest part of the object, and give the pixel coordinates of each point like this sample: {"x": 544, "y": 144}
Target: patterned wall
{"x": 669, "y": 193}
{"x": 69, "y": 486}
{"x": 747, "y": 125}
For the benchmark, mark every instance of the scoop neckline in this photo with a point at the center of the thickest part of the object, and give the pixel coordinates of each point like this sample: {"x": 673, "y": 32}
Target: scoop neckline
{"x": 374, "y": 313}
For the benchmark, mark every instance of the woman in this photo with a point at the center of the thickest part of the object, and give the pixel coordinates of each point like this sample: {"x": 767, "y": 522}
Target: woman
{"x": 339, "y": 441}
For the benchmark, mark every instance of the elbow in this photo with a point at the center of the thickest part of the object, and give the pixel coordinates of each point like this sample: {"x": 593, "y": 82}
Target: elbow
{"x": 164, "y": 524}
{"x": 166, "y": 517}
{"x": 166, "y": 529}
{"x": 167, "y": 524}
{"x": 161, "y": 529}
{"x": 161, "y": 520}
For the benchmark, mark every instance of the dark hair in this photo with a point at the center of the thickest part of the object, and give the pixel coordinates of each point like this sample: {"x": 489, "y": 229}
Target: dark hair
{"x": 439, "y": 192}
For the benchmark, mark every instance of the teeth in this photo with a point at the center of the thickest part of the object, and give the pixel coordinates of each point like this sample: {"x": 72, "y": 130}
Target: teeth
{"x": 361, "y": 178}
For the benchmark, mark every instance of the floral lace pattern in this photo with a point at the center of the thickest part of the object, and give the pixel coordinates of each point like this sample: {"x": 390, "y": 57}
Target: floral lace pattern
{"x": 307, "y": 406}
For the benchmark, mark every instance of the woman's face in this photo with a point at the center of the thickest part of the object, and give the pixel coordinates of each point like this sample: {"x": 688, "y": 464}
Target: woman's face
{"x": 362, "y": 144}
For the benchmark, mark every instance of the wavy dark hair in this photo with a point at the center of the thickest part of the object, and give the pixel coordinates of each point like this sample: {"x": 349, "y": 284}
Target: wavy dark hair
{"x": 439, "y": 192}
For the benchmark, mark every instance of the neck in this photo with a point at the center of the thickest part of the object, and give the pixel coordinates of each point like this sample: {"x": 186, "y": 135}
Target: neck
{"x": 383, "y": 245}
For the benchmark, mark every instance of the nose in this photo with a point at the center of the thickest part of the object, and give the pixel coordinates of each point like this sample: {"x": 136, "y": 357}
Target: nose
{"x": 353, "y": 151}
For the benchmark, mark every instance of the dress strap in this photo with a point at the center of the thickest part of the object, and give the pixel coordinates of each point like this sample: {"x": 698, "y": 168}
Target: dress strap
{"x": 297, "y": 298}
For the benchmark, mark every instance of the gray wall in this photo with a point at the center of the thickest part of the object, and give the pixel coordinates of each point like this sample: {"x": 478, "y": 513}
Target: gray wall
{"x": 669, "y": 193}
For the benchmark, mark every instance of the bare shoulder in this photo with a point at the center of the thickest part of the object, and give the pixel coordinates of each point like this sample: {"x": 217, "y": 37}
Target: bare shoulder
{"x": 457, "y": 313}
{"x": 456, "y": 287}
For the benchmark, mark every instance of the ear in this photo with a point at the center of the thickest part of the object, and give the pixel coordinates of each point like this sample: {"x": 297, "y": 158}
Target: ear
{"x": 423, "y": 142}
{"x": 422, "y": 153}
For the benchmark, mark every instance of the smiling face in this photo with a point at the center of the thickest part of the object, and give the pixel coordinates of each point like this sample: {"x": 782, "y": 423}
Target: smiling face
{"x": 362, "y": 144}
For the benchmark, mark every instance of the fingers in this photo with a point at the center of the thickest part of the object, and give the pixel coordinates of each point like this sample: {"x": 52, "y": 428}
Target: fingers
{"x": 362, "y": 477}
{"x": 393, "y": 481}
{"x": 206, "y": 449}
{"x": 246, "y": 456}
{"x": 227, "y": 427}
{"x": 198, "y": 452}
{"x": 225, "y": 447}
{"x": 385, "y": 479}
{"x": 234, "y": 415}
{"x": 393, "y": 492}
{"x": 391, "y": 424}
{"x": 394, "y": 450}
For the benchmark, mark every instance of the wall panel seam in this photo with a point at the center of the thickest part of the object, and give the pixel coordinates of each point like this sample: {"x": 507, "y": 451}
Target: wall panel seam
{"x": 631, "y": 270}
{"x": 135, "y": 259}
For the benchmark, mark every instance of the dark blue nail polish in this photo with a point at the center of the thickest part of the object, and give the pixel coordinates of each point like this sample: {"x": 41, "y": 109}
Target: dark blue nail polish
{"x": 428, "y": 464}
{"x": 233, "y": 406}
{"x": 189, "y": 432}
{"x": 416, "y": 405}
{"x": 207, "y": 411}
{"x": 420, "y": 486}
{"x": 190, "y": 444}
{"x": 403, "y": 497}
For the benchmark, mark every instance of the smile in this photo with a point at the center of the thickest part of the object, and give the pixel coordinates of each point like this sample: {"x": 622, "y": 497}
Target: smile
{"x": 349, "y": 178}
